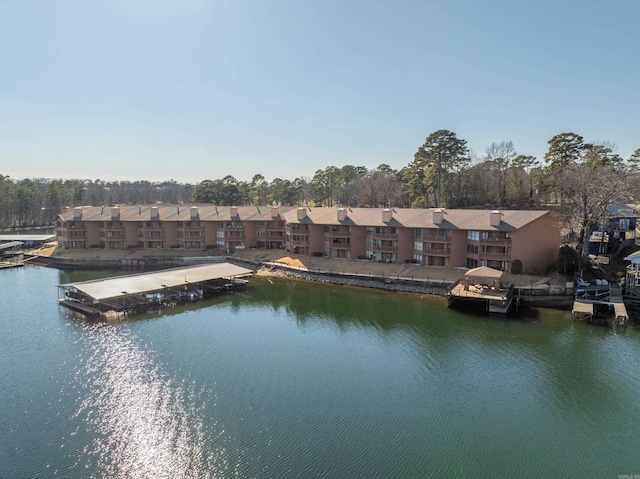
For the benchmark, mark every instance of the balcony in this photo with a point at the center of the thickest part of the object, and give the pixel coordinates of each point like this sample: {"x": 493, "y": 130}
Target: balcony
{"x": 114, "y": 235}
{"x": 274, "y": 236}
{"x": 495, "y": 241}
{"x": 234, "y": 235}
{"x": 437, "y": 237}
{"x": 154, "y": 235}
{"x": 339, "y": 234}
{"x": 385, "y": 235}
{"x": 385, "y": 248}
{"x": 496, "y": 256}
{"x": 299, "y": 242}
{"x": 437, "y": 251}
{"x": 193, "y": 228}
{"x": 152, "y": 226}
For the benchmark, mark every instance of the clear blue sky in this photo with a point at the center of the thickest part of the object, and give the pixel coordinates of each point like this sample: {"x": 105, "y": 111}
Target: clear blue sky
{"x": 196, "y": 89}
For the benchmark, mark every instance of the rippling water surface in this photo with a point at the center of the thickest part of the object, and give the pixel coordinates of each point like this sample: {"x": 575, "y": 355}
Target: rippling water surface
{"x": 300, "y": 380}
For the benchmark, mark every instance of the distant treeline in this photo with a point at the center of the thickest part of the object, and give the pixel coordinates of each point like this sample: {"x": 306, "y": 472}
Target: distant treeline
{"x": 578, "y": 179}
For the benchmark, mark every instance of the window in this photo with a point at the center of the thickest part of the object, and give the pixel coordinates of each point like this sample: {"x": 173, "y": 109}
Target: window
{"x": 623, "y": 224}
{"x": 417, "y": 258}
{"x": 219, "y": 234}
{"x": 472, "y": 248}
{"x": 472, "y": 263}
{"x": 417, "y": 245}
{"x": 473, "y": 235}
{"x": 417, "y": 233}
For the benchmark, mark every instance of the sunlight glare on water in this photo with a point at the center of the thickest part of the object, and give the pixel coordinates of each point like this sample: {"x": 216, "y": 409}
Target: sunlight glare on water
{"x": 143, "y": 421}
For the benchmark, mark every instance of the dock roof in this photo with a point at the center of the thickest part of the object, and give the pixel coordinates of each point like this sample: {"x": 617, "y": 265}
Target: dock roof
{"x": 105, "y": 288}
{"x": 10, "y": 244}
{"x": 45, "y": 237}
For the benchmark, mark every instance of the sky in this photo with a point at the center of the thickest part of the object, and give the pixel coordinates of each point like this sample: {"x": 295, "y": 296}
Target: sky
{"x": 200, "y": 89}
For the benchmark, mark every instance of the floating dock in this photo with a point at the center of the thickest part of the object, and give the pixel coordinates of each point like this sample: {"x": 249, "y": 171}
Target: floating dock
{"x": 137, "y": 293}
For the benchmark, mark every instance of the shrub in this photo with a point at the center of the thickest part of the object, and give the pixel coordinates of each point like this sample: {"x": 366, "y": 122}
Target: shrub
{"x": 516, "y": 266}
{"x": 567, "y": 260}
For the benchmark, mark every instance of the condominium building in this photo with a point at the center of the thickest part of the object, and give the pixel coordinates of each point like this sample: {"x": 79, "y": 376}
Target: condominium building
{"x": 434, "y": 237}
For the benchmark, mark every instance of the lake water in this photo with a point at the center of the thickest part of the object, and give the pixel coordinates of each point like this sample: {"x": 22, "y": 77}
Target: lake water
{"x": 297, "y": 380}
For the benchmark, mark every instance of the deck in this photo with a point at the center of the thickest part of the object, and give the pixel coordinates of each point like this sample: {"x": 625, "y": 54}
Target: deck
{"x": 493, "y": 300}
{"x": 589, "y": 304}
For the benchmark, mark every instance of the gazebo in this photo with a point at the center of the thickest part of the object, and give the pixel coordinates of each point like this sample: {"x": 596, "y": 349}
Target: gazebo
{"x": 483, "y": 276}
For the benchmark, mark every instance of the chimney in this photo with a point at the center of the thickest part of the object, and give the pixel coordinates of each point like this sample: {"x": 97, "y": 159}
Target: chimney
{"x": 275, "y": 212}
{"x": 302, "y": 213}
{"x": 233, "y": 212}
{"x": 115, "y": 212}
{"x": 495, "y": 218}
{"x": 155, "y": 212}
{"x": 387, "y": 215}
{"x": 194, "y": 212}
{"x": 77, "y": 213}
{"x": 438, "y": 216}
{"x": 342, "y": 214}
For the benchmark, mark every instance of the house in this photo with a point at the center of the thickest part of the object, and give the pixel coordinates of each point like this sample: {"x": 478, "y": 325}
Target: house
{"x": 432, "y": 237}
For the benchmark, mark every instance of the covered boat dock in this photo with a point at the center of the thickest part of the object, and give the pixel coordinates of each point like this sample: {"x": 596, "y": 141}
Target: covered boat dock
{"x": 143, "y": 291}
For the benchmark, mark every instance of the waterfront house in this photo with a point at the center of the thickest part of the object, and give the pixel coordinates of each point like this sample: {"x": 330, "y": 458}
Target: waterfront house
{"x": 432, "y": 237}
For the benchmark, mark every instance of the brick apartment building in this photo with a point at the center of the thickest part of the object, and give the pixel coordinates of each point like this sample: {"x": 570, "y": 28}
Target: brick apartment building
{"x": 434, "y": 237}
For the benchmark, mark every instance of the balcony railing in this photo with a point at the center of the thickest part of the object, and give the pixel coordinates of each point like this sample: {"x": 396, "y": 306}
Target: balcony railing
{"x": 385, "y": 235}
{"x": 496, "y": 256}
{"x": 440, "y": 235}
{"x": 193, "y": 228}
{"x": 437, "y": 251}
{"x": 384, "y": 248}
{"x": 496, "y": 241}
{"x": 299, "y": 243}
{"x": 234, "y": 235}
{"x": 274, "y": 236}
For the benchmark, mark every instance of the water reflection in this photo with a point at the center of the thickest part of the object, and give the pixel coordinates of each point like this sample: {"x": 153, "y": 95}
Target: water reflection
{"x": 144, "y": 423}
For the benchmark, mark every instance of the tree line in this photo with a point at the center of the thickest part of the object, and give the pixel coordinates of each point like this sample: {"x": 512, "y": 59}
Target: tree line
{"x": 578, "y": 179}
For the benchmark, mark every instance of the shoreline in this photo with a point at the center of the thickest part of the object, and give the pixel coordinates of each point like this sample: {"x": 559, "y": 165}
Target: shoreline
{"x": 534, "y": 291}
